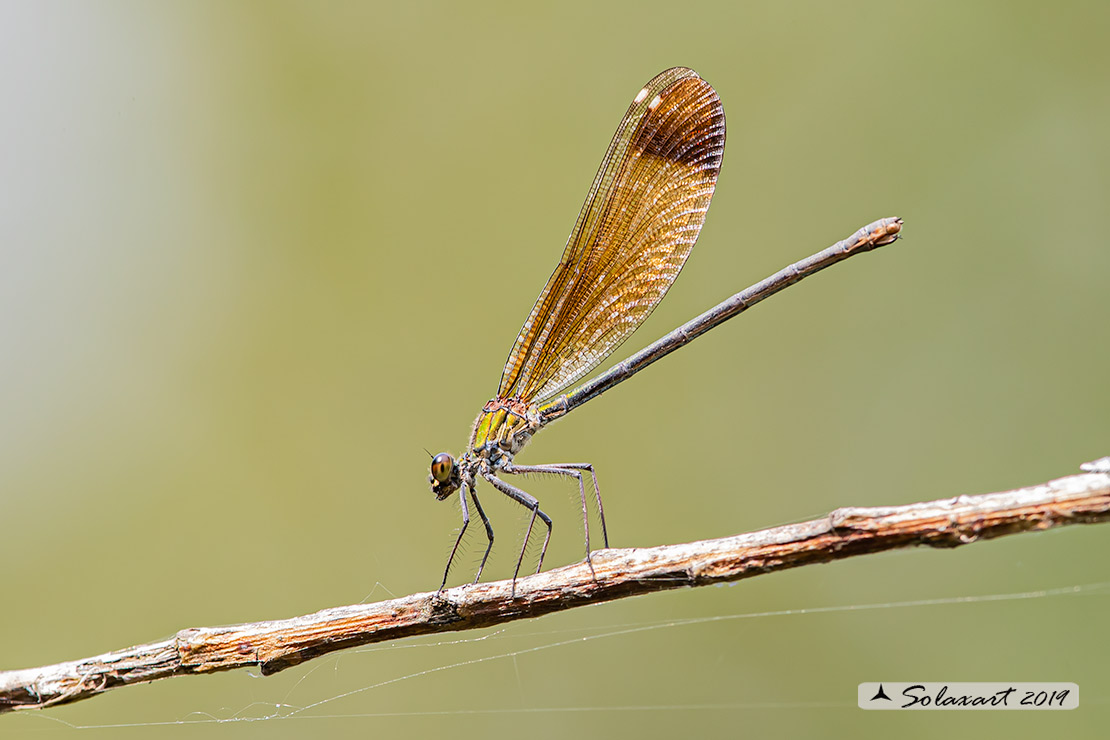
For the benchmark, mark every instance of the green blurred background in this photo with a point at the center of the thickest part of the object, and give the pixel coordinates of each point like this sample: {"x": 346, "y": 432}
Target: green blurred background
{"x": 257, "y": 257}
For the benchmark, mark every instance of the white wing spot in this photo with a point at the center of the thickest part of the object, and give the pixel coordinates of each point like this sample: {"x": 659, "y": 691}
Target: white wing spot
{"x": 654, "y": 102}
{"x": 640, "y": 96}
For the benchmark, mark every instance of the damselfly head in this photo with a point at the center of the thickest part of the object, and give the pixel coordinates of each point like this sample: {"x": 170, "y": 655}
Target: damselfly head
{"x": 445, "y": 476}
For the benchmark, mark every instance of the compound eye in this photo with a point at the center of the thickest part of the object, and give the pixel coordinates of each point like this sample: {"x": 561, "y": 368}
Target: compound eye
{"x": 442, "y": 467}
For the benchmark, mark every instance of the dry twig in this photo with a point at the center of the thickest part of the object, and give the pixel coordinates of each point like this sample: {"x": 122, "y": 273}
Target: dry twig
{"x": 280, "y": 644}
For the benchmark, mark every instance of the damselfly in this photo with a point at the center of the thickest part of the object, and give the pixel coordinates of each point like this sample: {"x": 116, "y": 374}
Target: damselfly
{"x": 641, "y": 218}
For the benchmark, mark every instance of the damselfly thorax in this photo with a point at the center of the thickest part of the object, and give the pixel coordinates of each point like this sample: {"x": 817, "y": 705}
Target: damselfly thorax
{"x": 502, "y": 429}
{"x": 500, "y": 432}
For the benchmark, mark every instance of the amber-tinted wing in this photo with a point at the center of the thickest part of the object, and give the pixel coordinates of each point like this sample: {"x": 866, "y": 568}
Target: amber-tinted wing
{"x": 636, "y": 229}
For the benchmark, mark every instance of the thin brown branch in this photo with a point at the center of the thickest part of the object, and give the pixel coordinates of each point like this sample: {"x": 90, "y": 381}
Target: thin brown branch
{"x": 276, "y": 645}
